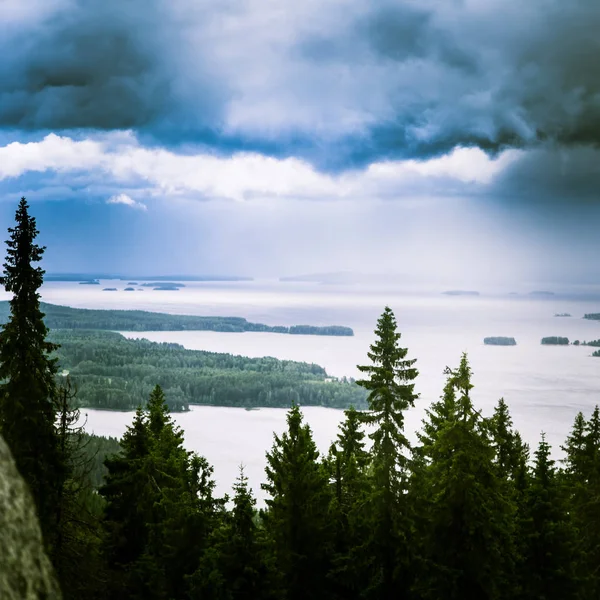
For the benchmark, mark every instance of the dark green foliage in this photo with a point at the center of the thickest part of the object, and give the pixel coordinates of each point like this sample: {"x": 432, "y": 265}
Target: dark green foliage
{"x": 511, "y": 452}
{"x": 65, "y": 317}
{"x": 297, "y": 515}
{"x": 113, "y": 372}
{"x": 235, "y": 565}
{"x": 582, "y": 481}
{"x": 348, "y": 464}
{"x": 549, "y": 537}
{"x": 159, "y": 510}
{"x": 391, "y": 392}
{"x": 467, "y": 534}
{"x": 555, "y": 341}
{"x": 28, "y": 390}
{"x": 97, "y": 449}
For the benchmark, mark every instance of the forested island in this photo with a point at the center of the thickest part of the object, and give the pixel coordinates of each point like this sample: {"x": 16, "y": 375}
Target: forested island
{"x": 555, "y": 340}
{"x": 592, "y": 316}
{"x": 562, "y": 315}
{"x": 113, "y": 372}
{"x": 65, "y": 317}
{"x": 499, "y": 341}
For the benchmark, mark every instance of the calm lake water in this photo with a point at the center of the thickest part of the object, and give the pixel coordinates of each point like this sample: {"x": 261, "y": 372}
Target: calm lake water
{"x": 544, "y": 386}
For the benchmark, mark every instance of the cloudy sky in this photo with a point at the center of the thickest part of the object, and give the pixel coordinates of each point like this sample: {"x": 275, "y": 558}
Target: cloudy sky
{"x": 453, "y": 140}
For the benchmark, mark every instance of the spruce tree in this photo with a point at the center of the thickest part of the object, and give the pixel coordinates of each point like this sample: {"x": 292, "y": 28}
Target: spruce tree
{"x": 391, "y": 391}
{"x": 234, "y": 566}
{"x": 159, "y": 510}
{"x": 549, "y": 535}
{"x": 297, "y": 515}
{"x": 347, "y": 465}
{"x": 582, "y": 479}
{"x": 467, "y": 533}
{"x": 27, "y": 372}
{"x": 507, "y": 442}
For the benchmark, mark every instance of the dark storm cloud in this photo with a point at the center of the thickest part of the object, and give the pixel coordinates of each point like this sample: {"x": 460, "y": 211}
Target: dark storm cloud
{"x": 550, "y": 175}
{"x": 341, "y": 84}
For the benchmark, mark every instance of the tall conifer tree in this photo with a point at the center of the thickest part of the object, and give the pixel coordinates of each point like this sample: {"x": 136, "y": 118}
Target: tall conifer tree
{"x": 391, "y": 391}
{"x": 298, "y": 510}
{"x": 467, "y": 535}
{"x": 28, "y": 391}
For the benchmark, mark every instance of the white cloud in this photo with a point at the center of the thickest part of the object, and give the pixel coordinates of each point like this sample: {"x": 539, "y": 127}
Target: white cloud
{"x": 119, "y": 160}
{"x": 126, "y": 200}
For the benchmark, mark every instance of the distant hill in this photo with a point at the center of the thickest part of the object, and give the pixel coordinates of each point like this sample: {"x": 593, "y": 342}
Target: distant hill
{"x": 461, "y": 293}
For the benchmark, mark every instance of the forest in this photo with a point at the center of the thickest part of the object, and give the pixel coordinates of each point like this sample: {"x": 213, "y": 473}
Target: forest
{"x": 65, "y": 317}
{"x": 113, "y": 372}
{"x": 469, "y": 511}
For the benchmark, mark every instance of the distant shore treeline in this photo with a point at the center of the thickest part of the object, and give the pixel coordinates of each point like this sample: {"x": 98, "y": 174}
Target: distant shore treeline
{"x": 96, "y": 276}
{"x": 65, "y": 317}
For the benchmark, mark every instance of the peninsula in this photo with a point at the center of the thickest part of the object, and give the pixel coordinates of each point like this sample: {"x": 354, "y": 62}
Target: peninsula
{"x": 65, "y": 317}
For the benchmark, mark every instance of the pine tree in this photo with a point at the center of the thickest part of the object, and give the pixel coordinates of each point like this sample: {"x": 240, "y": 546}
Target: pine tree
{"x": 28, "y": 391}
{"x": 467, "y": 532}
{"x": 391, "y": 387}
{"x": 297, "y": 511}
{"x": 549, "y": 535}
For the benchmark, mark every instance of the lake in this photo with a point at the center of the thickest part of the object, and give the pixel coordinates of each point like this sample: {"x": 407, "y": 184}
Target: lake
{"x": 544, "y": 386}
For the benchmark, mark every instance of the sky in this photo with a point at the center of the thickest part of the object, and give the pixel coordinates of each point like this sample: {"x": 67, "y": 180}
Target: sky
{"x": 439, "y": 140}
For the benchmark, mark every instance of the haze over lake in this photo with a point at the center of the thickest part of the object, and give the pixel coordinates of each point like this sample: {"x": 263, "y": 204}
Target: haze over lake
{"x": 544, "y": 386}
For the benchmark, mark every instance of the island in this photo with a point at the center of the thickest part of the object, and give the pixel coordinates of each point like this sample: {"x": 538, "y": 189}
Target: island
{"x": 596, "y": 353}
{"x": 109, "y": 290}
{"x": 461, "y": 293}
{"x": 90, "y": 282}
{"x": 593, "y": 343}
{"x": 133, "y": 283}
{"x": 129, "y": 289}
{"x": 499, "y": 341}
{"x": 541, "y": 293}
{"x": 167, "y": 288}
{"x": 112, "y": 372}
{"x": 555, "y": 341}
{"x": 65, "y": 317}
{"x": 155, "y": 284}
{"x": 562, "y": 315}
{"x": 592, "y": 316}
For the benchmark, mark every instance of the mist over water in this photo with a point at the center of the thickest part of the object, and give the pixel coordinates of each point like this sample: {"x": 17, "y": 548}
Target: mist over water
{"x": 544, "y": 386}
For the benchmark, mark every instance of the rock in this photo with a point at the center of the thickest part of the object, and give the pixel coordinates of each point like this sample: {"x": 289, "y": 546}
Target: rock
{"x": 25, "y": 571}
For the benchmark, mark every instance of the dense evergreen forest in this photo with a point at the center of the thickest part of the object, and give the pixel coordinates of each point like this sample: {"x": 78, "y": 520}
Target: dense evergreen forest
{"x": 113, "y": 372}
{"x": 468, "y": 512}
{"x": 65, "y": 317}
